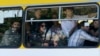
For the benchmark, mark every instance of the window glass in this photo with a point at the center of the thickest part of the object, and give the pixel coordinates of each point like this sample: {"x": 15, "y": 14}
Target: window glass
{"x": 42, "y": 13}
{"x": 10, "y": 27}
{"x": 72, "y": 26}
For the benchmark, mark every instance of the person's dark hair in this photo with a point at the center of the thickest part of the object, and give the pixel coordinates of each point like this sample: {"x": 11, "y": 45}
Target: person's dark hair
{"x": 39, "y": 25}
{"x": 70, "y": 8}
{"x": 14, "y": 22}
{"x": 55, "y": 14}
{"x": 82, "y": 24}
{"x": 95, "y": 20}
{"x": 36, "y": 10}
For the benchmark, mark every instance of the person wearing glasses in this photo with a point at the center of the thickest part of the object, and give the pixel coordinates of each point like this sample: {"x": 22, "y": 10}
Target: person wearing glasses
{"x": 94, "y": 31}
{"x": 36, "y": 39}
{"x": 53, "y": 35}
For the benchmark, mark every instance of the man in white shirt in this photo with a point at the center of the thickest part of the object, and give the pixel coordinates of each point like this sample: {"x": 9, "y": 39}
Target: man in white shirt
{"x": 79, "y": 36}
{"x": 68, "y": 26}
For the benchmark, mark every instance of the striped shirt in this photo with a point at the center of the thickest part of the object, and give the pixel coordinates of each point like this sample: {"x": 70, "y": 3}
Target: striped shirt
{"x": 78, "y": 38}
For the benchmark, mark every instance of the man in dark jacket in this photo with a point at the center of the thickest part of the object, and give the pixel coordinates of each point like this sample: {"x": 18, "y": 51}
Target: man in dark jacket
{"x": 12, "y": 37}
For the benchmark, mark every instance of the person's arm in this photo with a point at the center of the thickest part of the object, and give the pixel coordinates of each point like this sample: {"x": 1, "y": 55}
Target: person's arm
{"x": 88, "y": 37}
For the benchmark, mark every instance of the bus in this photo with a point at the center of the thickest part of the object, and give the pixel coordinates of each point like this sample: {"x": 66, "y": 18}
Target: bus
{"x": 49, "y": 25}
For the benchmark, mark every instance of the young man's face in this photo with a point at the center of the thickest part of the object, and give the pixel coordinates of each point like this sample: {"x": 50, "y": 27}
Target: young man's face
{"x": 96, "y": 24}
{"x": 16, "y": 25}
{"x": 38, "y": 13}
{"x": 69, "y": 12}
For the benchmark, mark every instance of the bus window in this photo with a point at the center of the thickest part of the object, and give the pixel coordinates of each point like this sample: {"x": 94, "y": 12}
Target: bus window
{"x": 73, "y": 26}
{"x": 42, "y": 13}
{"x": 10, "y": 27}
{"x": 80, "y": 12}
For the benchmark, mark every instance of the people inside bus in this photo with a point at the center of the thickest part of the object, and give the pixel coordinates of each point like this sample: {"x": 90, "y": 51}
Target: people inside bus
{"x": 93, "y": 31}
{"x": 42, "y": 31}
{"x": 41, "y": 14}
{"x": 50, "y": 23}
{"x": 12, "y": 37}
{"x": 36, "y": 37}
{"x": 68, "y": 26}
{"x": 49, "y": 42}
{"x": 54, "y": 34}
{"x": 94, "y": 28}
{"x": 37, "y": 14}
{"x": 78, "y": 38}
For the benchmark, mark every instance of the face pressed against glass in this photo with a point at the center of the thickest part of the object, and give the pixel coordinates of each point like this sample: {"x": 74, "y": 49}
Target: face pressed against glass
{"x": 11, "y": 28}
